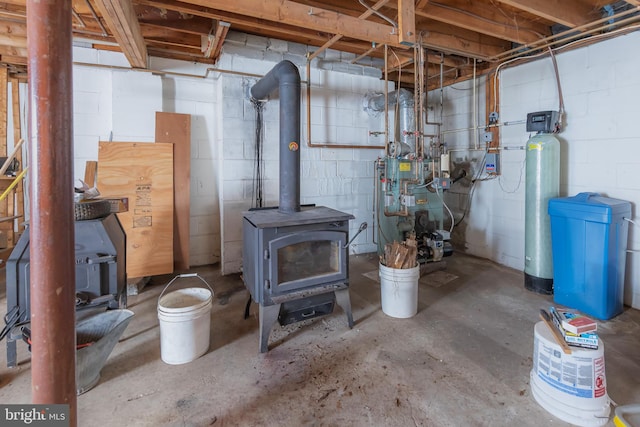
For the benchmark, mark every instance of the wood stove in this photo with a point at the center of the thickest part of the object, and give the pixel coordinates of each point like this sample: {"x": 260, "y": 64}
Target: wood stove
{"x": 295, "y": 260}
{"x": 295, "y": 266}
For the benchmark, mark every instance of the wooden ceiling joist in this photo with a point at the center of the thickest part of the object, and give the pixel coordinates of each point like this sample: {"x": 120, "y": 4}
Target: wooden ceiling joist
{"x": 307, "y": 17}
{"x": 406, "y": 22}
{"x": 337, "y": 37}
{"x": 571, "y": 13}
{"x": 477, "y": 17}
{"x": 14, "y": 59}
{"x": 459, "y": 45}
{"x": 222, "y": 30}
{"x": 123, "y": 23}
{"x": 186, "y": 23}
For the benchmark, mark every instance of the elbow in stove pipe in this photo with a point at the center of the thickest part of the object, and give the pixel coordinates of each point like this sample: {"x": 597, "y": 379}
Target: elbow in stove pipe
{"x": 286, "y": 78}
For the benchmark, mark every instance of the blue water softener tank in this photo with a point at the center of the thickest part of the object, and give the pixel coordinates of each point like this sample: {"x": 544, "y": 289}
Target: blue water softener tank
{"x": 589, "y": 243}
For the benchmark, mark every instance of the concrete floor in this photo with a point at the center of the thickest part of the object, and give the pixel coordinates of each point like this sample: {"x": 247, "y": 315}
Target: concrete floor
{"x": 464, "y": 359}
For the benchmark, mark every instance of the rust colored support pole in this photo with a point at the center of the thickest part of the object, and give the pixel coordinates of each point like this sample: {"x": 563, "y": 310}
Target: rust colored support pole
{"x": 53, "y": 357}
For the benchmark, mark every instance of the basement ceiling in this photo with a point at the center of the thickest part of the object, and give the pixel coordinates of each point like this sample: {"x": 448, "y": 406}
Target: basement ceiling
{"x": 456, "y": 33}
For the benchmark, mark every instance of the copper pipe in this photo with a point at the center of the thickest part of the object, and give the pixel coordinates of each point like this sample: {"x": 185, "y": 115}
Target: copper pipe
{"x": 53, "y": 355}
{"x": 328, "y": 144}
{"x": 564, "y": 35}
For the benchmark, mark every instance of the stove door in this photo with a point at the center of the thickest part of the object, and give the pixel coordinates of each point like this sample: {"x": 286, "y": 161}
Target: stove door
{"x": 307, "y": 258}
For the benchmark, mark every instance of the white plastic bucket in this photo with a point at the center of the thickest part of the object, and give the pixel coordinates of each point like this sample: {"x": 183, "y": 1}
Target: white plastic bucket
{"x": 573, "y": 387}
{"x": 399, "y": 291}
{"x": 185, "y": 322}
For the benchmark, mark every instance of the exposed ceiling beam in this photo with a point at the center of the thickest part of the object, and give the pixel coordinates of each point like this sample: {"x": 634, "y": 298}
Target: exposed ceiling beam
{"x": 460, "y": 45}
{"x": 13, "y": 28}
{"x": 13, "y": 59}
{"x": 123, "y": 23}
{"x": 406, "y": 22}
{"x": 290, "y": 12}
{"x": 267, "y": 28}
{"x": 234, "y": 19}
{"x": 15, "y": 2}
{"x": 16, "y": 16}
{"x": 13, "y": 41}
{"x": 13, "y": 51}
{"x": 176, "y": 38}
{"x": 337, "y": 37}
{"x": 174, "y": 54}
{"x": 571, "y": 13}
{"x": 477, "y": 17}
{"x": 189, "y": 24}
{"x": 221, "y": 34}
{"x": 13, "y": 34}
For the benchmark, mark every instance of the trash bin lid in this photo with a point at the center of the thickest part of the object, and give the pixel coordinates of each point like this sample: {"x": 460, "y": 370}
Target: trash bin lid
{"x": 590, "y": 207}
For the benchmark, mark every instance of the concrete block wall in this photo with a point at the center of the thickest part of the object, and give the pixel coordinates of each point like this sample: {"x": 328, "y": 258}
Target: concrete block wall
{"x": 600, "y": 146}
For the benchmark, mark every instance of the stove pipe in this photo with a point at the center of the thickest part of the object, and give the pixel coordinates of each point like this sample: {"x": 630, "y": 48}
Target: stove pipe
{"x": 286, "y": 78}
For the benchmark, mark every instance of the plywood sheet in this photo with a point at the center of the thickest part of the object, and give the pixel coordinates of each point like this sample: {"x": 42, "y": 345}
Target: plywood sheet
{"x": 143, "y": 172}
{"x": 176, "y": 129}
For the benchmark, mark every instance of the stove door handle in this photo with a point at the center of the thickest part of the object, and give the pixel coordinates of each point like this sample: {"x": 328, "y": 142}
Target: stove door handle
{"x": 101, "y": 259}
{"x": 362, "y": 227}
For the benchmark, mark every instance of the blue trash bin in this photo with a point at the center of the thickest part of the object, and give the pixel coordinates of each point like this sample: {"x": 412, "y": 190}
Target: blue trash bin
{"x": 589, "y": 243}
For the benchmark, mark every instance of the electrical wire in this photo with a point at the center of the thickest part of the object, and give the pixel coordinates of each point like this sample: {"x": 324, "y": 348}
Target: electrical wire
{"x": 258, "y": 173}
{"x": 472, "y": 190}
{"x": 560, "y": 97}
{"x": 519, "y": 179}
{"x": 453, "y": 220}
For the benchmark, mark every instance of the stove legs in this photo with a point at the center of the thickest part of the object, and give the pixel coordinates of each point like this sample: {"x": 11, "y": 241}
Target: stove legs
{"x": 342, "y": 298}
{"x": 267, "y": 317}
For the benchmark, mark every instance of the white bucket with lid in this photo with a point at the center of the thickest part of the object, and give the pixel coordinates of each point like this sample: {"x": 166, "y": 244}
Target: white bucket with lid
{"x": 573, "y": 387}
{"x": 185, "y": 322}
{"x": 399, "y": 291}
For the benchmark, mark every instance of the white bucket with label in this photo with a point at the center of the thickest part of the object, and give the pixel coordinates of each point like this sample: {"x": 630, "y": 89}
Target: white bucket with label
{"x": 399, "y": 291}
{"x": 573, "y": 387}
{"x": 185, "y": 322}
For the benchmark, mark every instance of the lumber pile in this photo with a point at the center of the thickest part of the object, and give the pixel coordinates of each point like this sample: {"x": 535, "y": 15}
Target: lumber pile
{"x": 400, "y": 255}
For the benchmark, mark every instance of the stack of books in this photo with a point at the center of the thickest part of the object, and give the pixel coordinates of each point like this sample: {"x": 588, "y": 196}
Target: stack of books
{"x": 577, "y": 330}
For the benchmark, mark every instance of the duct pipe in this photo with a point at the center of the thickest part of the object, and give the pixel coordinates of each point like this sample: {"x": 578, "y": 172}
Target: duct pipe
{"x": 377, "y": 101}
{"x": 52, "y": 247}
{"x": 406, "y": 122}
{"x": 286, "y": 78}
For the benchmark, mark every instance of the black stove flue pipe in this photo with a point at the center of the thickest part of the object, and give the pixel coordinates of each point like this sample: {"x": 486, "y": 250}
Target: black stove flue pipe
{"x": 286, "y": 78}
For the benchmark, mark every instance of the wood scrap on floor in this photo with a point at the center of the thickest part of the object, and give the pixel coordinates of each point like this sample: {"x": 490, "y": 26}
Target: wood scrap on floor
{"x": 400, "y": 255}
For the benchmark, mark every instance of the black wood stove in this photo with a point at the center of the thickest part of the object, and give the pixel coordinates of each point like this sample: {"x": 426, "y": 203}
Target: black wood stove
{"x": 295, "y": 260}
